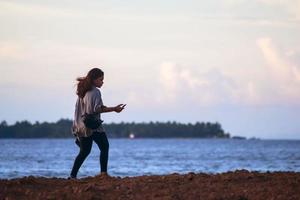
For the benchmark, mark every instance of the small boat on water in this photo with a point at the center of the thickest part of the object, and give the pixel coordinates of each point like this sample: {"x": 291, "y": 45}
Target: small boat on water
{"x": 131, "y": 136}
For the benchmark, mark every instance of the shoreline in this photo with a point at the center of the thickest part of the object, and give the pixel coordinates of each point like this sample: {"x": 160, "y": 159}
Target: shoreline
{"x": 239, "y": 185}
{"x": 163, "y": 138}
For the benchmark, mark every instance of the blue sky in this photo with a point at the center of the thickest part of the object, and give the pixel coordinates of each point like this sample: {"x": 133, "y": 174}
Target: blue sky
{"x": 232, "y": 61}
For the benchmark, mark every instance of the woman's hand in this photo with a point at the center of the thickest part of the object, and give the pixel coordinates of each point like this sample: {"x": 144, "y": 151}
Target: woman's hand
{"x": 119, "y": 108}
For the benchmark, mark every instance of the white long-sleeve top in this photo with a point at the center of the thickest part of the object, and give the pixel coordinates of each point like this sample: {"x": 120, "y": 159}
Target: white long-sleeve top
{"x": 90, "y": 103}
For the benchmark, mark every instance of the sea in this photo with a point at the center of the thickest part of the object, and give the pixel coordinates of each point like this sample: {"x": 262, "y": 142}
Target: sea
{"x": 137, "y": 157}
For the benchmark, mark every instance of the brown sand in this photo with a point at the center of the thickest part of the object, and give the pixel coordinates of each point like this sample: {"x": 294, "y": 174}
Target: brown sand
{"x": 238, "y": 185}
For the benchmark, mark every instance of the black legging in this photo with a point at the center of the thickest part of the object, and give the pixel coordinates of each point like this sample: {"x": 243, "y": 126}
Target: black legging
{"x": 85, "y": 149}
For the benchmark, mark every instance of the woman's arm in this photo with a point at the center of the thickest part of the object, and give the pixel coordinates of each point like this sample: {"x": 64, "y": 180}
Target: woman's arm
{"x": 117, "y": 108}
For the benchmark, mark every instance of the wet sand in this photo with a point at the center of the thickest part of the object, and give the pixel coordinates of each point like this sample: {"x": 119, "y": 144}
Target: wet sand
{"x": 238, "y": 185}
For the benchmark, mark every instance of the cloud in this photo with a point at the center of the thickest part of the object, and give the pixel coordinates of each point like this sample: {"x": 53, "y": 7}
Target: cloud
{"x": 213, "y": 87}
{"x": 284, "y": 74}
{"x": 277, "y": 82}
{"x": 265, "y": 13}
{"x": 32, "y": 10}
{"x": 179, "y": 87}
{"x": 186, "y": 85}
{"x": 279, "y": 68}
{"x": 291, "y": 6}
{"x": 10, "y": 50}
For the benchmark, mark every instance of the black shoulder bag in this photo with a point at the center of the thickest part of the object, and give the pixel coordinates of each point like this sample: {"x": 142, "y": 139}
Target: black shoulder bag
{"x": 91, "y": 121}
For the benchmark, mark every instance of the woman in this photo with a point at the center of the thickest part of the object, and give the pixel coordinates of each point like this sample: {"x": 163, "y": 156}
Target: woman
{"x": 89, "y": 101}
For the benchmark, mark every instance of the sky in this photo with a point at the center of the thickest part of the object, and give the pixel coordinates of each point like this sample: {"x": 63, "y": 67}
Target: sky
{"x": 236, "y": 62}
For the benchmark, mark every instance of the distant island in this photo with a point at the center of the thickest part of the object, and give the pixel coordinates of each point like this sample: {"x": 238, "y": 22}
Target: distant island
{"x": 62, "y": 129}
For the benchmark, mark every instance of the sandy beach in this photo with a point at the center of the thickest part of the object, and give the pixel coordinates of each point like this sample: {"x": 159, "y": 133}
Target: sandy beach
{"x": 237, "y": 185}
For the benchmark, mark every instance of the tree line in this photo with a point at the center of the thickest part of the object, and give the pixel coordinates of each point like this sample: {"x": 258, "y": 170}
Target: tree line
{"x": 62, "y": 129}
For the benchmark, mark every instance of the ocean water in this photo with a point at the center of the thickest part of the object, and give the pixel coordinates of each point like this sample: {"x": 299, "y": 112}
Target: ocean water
{"x": 135, "y": 157}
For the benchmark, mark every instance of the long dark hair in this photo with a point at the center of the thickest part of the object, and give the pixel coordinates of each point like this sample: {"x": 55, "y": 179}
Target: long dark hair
{"x": 86, "y": 83}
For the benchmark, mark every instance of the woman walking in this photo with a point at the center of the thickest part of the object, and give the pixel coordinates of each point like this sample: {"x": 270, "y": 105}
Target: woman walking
{"x": 89, "y": 101}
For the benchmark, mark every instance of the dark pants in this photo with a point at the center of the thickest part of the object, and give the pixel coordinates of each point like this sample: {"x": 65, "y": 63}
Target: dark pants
{"x": 85, "y": 149}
